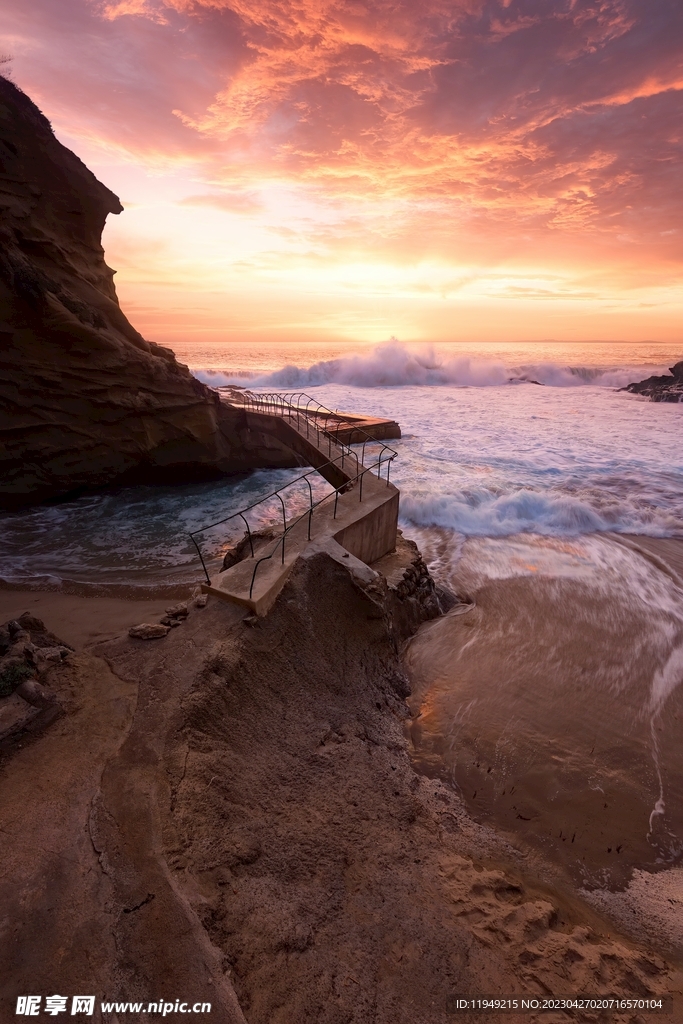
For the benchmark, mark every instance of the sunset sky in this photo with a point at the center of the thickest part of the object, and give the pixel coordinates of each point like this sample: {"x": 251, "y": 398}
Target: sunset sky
{"x": 335, "y": 169}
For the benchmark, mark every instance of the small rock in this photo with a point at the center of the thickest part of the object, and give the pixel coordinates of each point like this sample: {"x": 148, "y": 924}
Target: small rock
{"x": 167, "y": 621}
{"x": 29, "y": 622}
{"x": 148, "y": 631}
{"x": 200, "y": 600}
{"x": 178, "y": 611}
{"x": 52, "y": 654}
{"x": 33, "y": 693}
{"x": 19, "y": 636}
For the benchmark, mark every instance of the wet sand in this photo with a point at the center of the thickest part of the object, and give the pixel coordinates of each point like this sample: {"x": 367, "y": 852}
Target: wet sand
{"x": 253, "y": 777}
{"x": 81, "y": 621}
{"x": 554, "y": 707}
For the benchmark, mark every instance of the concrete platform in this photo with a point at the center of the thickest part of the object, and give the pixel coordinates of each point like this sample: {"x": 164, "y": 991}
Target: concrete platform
{"x": 362, "y": 519}
{"x": 365, "y": 529}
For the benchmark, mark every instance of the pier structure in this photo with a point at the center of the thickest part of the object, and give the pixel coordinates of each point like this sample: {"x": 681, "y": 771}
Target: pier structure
{"x": 355, "y": 522}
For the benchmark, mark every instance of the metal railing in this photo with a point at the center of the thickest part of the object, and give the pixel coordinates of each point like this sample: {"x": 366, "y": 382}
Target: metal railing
{"x": 280, "y": 542}
{"x": 280, "y": 405}
{"x": 283, "y": 405}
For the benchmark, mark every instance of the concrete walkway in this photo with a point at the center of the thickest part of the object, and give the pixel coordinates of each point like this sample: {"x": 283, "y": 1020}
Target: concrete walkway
{"x": 363, "y": 519}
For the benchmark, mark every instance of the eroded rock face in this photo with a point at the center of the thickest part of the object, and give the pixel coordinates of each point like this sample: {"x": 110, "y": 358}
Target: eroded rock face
{"x": 663, "y": 388}
{"x": 84, "y": 399}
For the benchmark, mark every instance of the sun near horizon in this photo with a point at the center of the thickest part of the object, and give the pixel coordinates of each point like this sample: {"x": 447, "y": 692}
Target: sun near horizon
{"x": 476, "y": 170}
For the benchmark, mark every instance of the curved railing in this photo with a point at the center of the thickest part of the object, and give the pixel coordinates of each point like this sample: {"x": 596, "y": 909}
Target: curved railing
{"x": 280, "y": 405}
{"x": 309, "y": 512}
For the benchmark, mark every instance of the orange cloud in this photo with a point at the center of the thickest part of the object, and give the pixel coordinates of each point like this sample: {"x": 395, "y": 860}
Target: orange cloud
{"x": 454, "y": 137}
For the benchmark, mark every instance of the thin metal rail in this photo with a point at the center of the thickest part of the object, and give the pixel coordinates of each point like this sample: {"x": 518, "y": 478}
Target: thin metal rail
{"x": 277, "y": 404}
{"x": 309, "y": 512}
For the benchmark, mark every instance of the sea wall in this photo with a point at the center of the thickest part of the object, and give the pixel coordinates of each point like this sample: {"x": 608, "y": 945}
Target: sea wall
{"x": 85, "y": 401}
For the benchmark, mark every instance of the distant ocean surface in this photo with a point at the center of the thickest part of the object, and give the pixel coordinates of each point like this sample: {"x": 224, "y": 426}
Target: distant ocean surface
{"x": 497, "y": 440}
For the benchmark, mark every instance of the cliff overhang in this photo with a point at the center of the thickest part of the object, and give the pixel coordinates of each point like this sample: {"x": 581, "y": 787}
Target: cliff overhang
{"x": 85, "y": 400}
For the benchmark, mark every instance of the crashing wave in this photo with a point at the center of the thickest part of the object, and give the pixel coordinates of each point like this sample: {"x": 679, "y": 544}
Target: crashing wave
{"x": 394, "y": 364}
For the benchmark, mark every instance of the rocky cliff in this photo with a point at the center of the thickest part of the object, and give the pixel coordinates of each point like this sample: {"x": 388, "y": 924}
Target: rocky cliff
{"x": 661, "y": 389}
{"x": 85, "y": 401}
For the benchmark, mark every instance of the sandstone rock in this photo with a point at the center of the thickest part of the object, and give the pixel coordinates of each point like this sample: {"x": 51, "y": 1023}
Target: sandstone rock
{"x": 31, "y": 623}
{"x": 178, "y": 611}
{"x": 84, "y": 399}
{"x": 237, "y": 552}
{"x": 148, "y": 631}
{"x": 33, "y": 693}
{"x": 54, "y": 655}
{"x": 200, "y": 600}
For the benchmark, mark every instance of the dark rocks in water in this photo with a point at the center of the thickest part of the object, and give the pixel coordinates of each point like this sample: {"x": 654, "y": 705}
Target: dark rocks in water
{"x": 664, "y": 388}
{"x": 85, "y": 400}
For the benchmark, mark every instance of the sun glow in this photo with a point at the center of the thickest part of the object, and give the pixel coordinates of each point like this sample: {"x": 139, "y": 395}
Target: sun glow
{"x": 436, "y": 171}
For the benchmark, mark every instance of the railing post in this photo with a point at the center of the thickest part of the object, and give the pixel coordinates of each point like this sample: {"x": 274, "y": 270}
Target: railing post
{"x": 251, "y": 543}
{"x": 307, "y": 417}
{"x": 201, "y": 559}
{"x": 284, "y": 514}
{"x": 317, "y": 424}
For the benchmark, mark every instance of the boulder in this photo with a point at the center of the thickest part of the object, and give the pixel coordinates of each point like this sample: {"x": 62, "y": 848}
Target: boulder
{"x": 148, "y": 631}
{"x": 178, "y": 611}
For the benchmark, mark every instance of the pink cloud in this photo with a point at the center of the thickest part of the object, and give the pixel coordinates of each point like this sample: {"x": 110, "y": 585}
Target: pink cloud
{"x": 491, "y": 127}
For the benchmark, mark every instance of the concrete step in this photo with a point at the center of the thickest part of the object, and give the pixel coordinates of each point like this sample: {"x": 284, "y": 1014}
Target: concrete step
{"x": 366, "y": 529}
{"x": 366, "y": 514}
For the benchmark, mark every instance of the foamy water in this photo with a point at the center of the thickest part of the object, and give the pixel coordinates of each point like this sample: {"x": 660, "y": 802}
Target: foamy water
{"x": 484, "y": 452}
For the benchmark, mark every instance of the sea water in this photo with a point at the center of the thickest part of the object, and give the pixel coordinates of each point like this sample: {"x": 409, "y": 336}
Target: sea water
{"x": 496, "y": 440}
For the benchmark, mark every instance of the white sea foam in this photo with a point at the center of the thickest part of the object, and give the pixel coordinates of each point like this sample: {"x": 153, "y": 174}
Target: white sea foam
{"x": 394, "y": 364}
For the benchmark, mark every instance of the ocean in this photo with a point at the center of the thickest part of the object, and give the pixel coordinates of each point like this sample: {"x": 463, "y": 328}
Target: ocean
{"x": 497, "y": 440}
